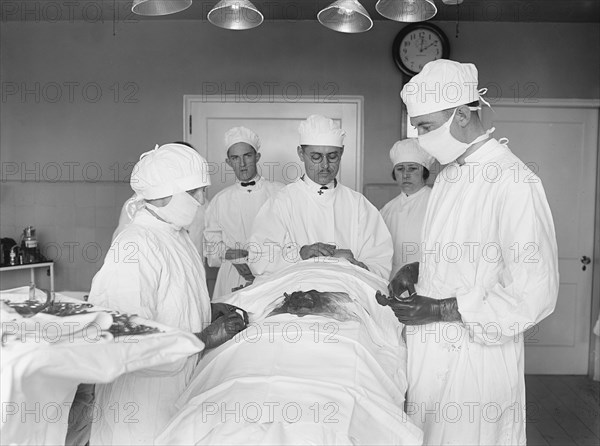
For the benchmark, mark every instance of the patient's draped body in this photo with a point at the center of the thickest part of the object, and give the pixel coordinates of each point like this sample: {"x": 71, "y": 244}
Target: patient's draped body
{"x": 307, "y": 377}
{"x": 303, "y": 214}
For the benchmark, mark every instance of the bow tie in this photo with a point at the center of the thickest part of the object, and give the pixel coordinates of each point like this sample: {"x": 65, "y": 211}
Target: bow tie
{"x": 249, "y": 183}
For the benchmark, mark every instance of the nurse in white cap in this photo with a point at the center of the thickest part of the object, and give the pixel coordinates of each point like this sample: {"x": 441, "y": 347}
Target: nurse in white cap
{"x": 404, "y": 214}
{"x": 231, "y": 213}
{"x": 317, "y": 216}
{"x": 152, "y": 270}
{"x": 488, "y": 270}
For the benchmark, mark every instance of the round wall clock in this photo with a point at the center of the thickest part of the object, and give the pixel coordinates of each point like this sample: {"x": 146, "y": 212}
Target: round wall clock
{"x": 417, "y": 44}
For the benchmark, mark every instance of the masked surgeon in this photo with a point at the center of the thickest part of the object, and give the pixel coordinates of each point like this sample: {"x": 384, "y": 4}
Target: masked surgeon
{"x": 404, "y": 214}
{"x": 153, "y": 270}
{"x": 230, "y": 214}
{"x": 195, "y": 229}
{"x": 316, "y": 216}
{"x": 488, "y": 269}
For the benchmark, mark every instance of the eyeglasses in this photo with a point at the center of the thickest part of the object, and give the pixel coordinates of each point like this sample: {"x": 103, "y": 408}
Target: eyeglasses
{"x": 332, "y": 157}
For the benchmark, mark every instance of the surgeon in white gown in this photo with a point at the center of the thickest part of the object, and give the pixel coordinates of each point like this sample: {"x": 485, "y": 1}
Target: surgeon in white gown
{"x": 231, "y": 213}
{"x": 153, "y": 270}
{"x": 316, "y": 216}
{"x": 488, "y": 270}
{"x": 404, "y": 214}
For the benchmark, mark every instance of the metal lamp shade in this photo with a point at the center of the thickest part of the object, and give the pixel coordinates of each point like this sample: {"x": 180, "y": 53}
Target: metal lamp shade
{"x": 235, "y": 14}
{"x": 406, "y": 10}
{"x": 159, "y": 7}
{"x": 345, "y": 16}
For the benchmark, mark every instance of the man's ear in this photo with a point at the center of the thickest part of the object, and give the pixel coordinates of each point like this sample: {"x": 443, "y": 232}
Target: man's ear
{"x": 300, "y": 151}
{"x": 257, "y": 157}
{"x": 228, "y": 162}
{"x": 463, "y": 114}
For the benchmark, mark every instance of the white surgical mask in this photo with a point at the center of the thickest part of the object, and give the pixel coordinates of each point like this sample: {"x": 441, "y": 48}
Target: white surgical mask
{"x": 440, "y": 143}
{"x": 180, "y": 211}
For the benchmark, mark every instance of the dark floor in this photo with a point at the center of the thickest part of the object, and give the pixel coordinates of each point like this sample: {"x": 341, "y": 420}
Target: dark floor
{"x": 562, "y": 410}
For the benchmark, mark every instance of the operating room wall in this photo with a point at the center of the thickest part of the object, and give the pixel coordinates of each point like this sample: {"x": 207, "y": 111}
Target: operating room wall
{"x": 81, "y": 101}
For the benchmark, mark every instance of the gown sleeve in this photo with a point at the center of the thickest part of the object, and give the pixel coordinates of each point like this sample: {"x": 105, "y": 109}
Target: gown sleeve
{"x": 129, "y": 278}
{"x": 527, "y": 288}
{"x": 377, "y": 247}
{"x": 270, "y": 246}
{"x": 214, "y": 245}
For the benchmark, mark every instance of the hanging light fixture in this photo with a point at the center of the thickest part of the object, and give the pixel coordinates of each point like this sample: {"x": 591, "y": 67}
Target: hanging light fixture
{"x": 159, "y": 7}
{"x": 406, "y": 10}
{"x": 235, "y": 14}
{"x": 346, "y": 16}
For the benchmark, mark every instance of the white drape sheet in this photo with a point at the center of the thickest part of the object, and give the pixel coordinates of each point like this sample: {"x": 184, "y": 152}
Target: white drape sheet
{"x": 42, "y": 366}
{"x": 302, "y": 380}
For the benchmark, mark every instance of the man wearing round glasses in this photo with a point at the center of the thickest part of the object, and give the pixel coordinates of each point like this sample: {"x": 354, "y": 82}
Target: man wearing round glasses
{"x": 316, "y": 216}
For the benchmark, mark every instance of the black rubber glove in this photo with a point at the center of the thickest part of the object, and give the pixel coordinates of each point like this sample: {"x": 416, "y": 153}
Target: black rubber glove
{"x": 404, "y": 280}
{"x": 421, "y": 310}
{"x": 221, "y": 309}
{"x": 222, "y": 330}
{"x": 317, "y": 250}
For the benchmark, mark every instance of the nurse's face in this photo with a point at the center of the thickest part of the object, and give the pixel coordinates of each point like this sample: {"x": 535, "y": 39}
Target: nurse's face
{"x": 321, "y": 163}
{"x": 409, "y": 177}
{"x": 242, "y": 158}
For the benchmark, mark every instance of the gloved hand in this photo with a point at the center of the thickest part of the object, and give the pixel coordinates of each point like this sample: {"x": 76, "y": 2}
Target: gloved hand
{"x": 316, "y": 250}
{"x": 244, "y": 270}
{"x": 421, "y": 310}
{"x": 404, "y": 280}
{"x": 222, "y": 330}
{"x": 221, "y": 309}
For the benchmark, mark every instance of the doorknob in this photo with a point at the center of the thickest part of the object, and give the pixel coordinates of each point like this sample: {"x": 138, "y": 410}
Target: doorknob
{"x": 586, "y": 261}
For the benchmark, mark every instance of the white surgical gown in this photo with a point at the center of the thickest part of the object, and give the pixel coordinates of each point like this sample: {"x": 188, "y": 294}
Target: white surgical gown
{"x": 151, "y": 270}
{"x": 404, "y": 218}
{"x": 195, "y": 230}
{"x": 489, "y": 241}
{"x": 229, "y": 219}
{"x": 303, "y": 214}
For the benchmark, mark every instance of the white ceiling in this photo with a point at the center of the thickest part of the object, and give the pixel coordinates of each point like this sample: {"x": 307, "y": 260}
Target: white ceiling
{"x": 573, "y": 11}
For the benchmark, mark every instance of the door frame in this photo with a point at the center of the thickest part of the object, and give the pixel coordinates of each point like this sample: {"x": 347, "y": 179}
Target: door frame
{"x": 595, "y": 265}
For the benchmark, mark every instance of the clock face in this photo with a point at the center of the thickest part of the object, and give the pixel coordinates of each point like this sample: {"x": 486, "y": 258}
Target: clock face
{"x": 417, "y": 44}
{"x": 419, "y": 47}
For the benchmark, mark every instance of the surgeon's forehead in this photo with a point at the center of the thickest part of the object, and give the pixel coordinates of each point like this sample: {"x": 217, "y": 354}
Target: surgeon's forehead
{"x": 438, "y": 117}
{"x": 321, "y": 149}
{"x": 239, "y": 149}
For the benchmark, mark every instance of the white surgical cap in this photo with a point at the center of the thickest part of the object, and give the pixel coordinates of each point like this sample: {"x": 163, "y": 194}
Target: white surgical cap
{"x": 318, "y": 130}
{"x": 409, "y": 151}
{"x": 241, "y": 134}
{"x": 167, "y": 170}
{"x": 442, "y": 84}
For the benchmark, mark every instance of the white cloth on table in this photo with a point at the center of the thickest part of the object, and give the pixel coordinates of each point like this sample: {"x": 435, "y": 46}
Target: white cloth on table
{"x": 302, "y": 214}
{"x": 489, "y": 241}
{"x": 302, "y": 380}
{"x": 40, "y": 371}
{"x": 154, "y": 271}
{"x": 195, "y": 230}
{"x": 404, "y": 217}
{"x": 229, "y": 219}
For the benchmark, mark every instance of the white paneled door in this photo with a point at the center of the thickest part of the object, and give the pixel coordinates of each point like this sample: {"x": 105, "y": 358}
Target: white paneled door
{"x": 559, "y": 141}
{"x": 276, "y": 122}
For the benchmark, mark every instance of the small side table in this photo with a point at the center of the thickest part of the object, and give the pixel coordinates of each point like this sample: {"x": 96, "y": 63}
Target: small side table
{"x": 32, "y": 267}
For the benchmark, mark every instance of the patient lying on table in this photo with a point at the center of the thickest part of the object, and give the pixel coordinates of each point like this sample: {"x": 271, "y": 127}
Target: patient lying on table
{"x": 316, "y": 367}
